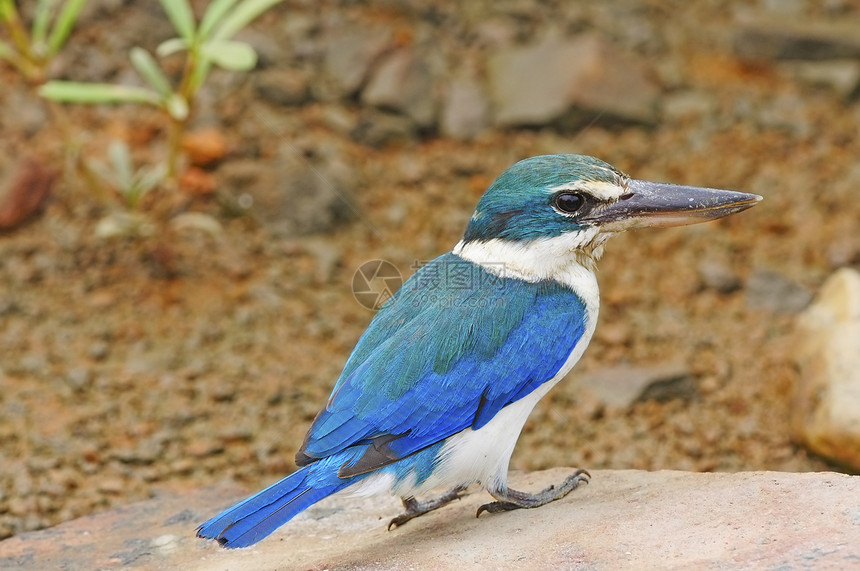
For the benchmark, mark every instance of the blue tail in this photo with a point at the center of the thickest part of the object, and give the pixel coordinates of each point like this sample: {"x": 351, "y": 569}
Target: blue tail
{"x": 252, "y": 519}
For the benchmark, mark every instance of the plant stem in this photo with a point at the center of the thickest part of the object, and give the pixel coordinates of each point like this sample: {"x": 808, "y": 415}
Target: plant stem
{"x": 16, "y": 29}
{"x": 174, "y": 147}
{"x": 187, "y": 91}
{"x": 25, "y": 60}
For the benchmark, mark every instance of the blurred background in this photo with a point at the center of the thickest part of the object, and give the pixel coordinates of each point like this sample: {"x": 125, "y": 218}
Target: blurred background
{"x": 195, "y": 350}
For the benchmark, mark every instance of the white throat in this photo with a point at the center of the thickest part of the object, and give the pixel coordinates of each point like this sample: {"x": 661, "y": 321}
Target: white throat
{"x": 559, "y": 259}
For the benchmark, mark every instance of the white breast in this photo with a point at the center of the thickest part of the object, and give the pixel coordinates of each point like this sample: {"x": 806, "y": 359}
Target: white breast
{"x": 483, "y": 455}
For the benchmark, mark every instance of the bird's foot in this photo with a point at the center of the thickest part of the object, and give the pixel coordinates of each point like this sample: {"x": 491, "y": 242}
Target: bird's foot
{"x": 514, "y": 500}
{"x": 414, "y": 508}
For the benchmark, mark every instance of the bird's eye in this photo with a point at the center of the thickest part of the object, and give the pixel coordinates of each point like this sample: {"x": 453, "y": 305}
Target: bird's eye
{"x": 569, "y": 202}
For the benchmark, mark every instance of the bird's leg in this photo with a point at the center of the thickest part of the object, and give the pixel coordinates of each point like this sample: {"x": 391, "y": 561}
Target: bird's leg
{"x": 414, "y": 508}
{"x": 513, "y": 500}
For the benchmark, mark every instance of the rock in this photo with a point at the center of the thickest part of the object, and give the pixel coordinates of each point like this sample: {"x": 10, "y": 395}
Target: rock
{"x": 629, "y": 518}
{"x": 282, "y": 86}
{"x": 205, "y": 147}
{"x": 774, "y": 292}
{"x": 621, "y": 386}
{"x": 99, "y": 350}
{"x": 197, "y": 182}
{"x": 270, "y": 51}
{"x": 826, "y": 408}
{"x": 349, "y": 57}
{"x": 687, "y": 105}
{"x": 31, "y": 119}
{"x": 378, "y": 128}
{"x": 845, "y": 250}
{"x": 24, "y": 191}
{"x": 79, "y": 378}
{"x": 466, "y": 111}
{"x": 339, "y": 119}
{"x": 798, "y": 40}
{"x": 559, "y": 81}
{"x": 716, "y": 274}
{"x": 787, "y": 111}
{"x": 403, "y": 82}
{"x": 842, "y": 77}
{"x": 289, "y": 194}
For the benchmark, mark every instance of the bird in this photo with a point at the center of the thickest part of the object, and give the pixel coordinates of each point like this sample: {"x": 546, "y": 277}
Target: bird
{"x": 438, "y": 388}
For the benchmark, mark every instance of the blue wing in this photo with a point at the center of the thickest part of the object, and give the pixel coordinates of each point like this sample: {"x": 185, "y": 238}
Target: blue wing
{"x": 453, "y": 347}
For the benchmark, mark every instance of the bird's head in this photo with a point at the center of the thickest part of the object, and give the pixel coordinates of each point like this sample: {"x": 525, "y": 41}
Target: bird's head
{"x": 563, "y": 205}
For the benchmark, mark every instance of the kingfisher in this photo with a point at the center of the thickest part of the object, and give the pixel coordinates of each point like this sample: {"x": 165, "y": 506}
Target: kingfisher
{"x": 437, "y": 390}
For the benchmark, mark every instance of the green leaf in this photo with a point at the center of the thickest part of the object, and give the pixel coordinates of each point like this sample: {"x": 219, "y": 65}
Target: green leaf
{"x": 149, "y": 178}
{"x": 76, "y": 92}
{"x": 213, "y": 16}
{"x": 9, "y": 54}
{"x": 180, "y": 15}
{"x": 148, "y": 69}
{"x": 171, "y": 46}
{"x": 229, "y": 54}
{"x": 41, "y": 19}
{"x": 120, "y": 159}
{"x": 241, "y": 16}
{"x": 177, "y": 107}
{"x": 64, "y": 24}
{"x": 7, "y": 10}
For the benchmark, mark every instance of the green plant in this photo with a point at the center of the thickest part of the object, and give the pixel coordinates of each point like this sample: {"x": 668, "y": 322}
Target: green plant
{"x": 206, "y": 43}
{"x": 131, "y": 183}
{"x": 31, "y": 51}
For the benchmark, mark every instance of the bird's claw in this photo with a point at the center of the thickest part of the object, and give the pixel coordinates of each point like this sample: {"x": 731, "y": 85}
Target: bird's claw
{"x": 496, "y": 507}
{"x": 414, "y": 508}
{"x": 399, "y": 520}
{"x": 514, "y": 500}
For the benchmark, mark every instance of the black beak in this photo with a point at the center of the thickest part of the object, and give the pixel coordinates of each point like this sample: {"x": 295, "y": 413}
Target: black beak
{"x": 660, "y": 205}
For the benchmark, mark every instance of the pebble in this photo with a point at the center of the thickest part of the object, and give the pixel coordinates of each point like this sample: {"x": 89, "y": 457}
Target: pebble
{"x": 623, "y": 385}
{"x": 350, "y": 55}
{"x": 23, "y": 193}
{"x": 378, "y": 128}
{"x": 842, "y": 77}
{"x": 771, "y": 291}
{"x": 466, "y": 111}
{"x": 718, "y": 275}
{"x": 111, "y": 485}
{"x": 403, "y": 82}
{"x": 204, "y": 147}
{"x": 99, "y": 350}
{"x": 79, "y": 378}
{"x": 285, "y": 87}
{"x": 795, "y": 40}
{"x": 544, "y": 83}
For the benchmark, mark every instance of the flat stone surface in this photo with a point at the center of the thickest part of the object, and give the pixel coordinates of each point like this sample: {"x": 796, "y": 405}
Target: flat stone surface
{"x": 623, "y": 519}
